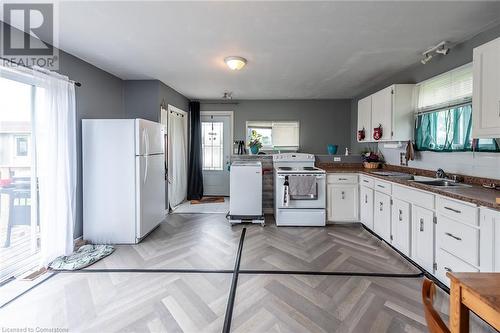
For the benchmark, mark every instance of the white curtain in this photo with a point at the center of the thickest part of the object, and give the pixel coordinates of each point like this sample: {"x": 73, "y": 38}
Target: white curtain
{"x": 55, "y": 137}
{"x": 177, "y": 155}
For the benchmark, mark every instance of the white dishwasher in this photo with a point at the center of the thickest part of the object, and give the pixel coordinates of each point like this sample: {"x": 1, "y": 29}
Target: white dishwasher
{"x": 245, "y": 192}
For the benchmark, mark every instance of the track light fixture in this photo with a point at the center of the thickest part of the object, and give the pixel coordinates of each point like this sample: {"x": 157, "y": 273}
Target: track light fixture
{"x": 437, "y": 49}
{"x": 427, "y": 58}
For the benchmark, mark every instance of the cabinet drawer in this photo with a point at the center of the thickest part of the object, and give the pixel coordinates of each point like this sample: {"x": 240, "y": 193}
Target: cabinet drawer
{"x": 460, "y": 239}
{"x": 447, "y": 262}
{"x": 366, "y": 181}
{"x": 457, "y": 210}
{"x": 419, "y": 198}
{"x": 383, "y": 187}
{"x": 340, "y": 178}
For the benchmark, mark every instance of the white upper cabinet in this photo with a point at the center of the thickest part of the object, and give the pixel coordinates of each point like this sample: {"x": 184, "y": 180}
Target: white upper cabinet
{"x": 382, "y": 112}
{"x": 391, "y": 109}
{"x": 365, "y": 117}
{"x": 486, "y": 90}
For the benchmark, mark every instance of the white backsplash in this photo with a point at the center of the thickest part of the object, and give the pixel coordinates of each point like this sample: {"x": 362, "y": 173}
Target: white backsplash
{"x": 467, "y": 163}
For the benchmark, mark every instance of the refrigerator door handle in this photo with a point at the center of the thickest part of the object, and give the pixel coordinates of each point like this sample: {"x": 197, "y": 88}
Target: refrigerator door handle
{"x": 146, "y": 169}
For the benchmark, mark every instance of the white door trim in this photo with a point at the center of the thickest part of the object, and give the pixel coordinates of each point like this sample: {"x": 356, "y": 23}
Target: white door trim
{"x": 231, "y": 121}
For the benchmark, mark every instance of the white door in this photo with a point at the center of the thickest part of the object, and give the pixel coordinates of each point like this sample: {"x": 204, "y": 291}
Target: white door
{"x": 366, "y": 206}
{"x": 177, "y": 156}
{"x": 382, "y": 113}
{"x": 343, "y": 203}
{"x": 382, "y": 215}
{"x": 216, "y": 151}
{"x": 401, "y": 226}
{"x": 423, "y": 237}
{"x": 150, "y": 192}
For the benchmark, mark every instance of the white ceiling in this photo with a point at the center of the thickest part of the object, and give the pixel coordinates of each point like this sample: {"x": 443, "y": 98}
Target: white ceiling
{"x": 294, "y": 49}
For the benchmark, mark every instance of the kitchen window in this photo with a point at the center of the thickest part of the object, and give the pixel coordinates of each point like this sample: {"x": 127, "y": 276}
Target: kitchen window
{"x": 275, "y": 135}
{"x": 444, "y": 114}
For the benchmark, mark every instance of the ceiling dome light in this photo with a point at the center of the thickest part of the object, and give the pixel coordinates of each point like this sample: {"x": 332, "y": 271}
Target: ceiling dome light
{"x": 235, "y": 63}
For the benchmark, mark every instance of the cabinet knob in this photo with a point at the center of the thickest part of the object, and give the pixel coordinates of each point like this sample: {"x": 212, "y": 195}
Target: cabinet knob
{"x": 381, "y": 206}
{"x": 421, "y": 224}
{"x": 343, "y": 195}
{"x": 400, "y": 215}
{"x": 366, "y": 198}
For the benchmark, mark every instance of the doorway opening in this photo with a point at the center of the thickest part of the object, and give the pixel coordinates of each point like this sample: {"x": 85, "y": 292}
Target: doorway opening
{"x": 216, "y": 139}
{"x": 19, "y": 224}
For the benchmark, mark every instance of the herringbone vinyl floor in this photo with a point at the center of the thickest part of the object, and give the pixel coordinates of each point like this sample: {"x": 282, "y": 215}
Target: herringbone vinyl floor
{"x": 335, "y": 248}
{"x": 201, "y": 241}
{"x": 104, "y": 301}
{"x": 124, "y": 302}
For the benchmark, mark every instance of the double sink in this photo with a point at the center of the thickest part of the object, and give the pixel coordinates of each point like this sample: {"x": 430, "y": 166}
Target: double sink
{"x": 436, "y": 182}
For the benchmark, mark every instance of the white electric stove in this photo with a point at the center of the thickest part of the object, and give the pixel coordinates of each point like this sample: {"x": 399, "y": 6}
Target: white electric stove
{"x": 298, "y": 210}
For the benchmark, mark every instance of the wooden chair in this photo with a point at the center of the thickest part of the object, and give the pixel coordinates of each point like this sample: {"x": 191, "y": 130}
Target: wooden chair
{"x": 432, "y": 317}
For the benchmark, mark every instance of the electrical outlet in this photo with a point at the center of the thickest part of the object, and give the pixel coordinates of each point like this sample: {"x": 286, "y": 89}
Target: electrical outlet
{"x": 337, "y": 159}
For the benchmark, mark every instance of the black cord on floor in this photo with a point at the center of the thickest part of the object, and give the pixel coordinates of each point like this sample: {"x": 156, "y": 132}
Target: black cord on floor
{"x": 232, "y": 292}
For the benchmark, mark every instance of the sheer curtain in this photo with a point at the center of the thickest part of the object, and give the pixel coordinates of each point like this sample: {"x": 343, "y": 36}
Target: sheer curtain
{"x": 177, "y": 172}
{"x": 55, "y": 137}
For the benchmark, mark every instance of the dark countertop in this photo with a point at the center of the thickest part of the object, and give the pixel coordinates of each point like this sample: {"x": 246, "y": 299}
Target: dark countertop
{"x": 475, "y": 194}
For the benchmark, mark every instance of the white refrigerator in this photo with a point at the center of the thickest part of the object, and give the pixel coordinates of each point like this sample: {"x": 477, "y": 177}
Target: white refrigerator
{"x": 123, "y": 167}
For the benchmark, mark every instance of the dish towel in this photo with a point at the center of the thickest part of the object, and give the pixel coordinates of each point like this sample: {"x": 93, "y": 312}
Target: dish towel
{"x": 410, "y": 152}
{"x": 303, "y": 187}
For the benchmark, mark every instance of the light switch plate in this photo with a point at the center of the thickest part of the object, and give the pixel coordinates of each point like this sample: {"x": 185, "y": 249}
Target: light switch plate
{"x": 337, "y": 159}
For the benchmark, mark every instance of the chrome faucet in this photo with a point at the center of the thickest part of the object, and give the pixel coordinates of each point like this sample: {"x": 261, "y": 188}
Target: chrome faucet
{"x": 441, "y": 174}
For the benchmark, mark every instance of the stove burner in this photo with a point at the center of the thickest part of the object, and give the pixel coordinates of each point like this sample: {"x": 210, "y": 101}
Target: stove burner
{"x": 285, "y": 168}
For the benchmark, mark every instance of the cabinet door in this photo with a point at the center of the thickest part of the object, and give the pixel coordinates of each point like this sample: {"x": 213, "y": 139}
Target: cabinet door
{"x": 382, "y": 112}
{"x": 382, "y": 215}
{"x": 423, "y": 237}
{"x": 401, "y": 226}
{"x": 365, "y": 117}
{"x": 489, "y": 246}
{"x": 366, "y": 206}
{"x": 486, "y": 90}
{"x": 343, "y": 203}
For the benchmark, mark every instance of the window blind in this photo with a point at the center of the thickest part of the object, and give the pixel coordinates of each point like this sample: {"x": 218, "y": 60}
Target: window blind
{"x": 285, "y": 134}
{"x": 444, "y": 91}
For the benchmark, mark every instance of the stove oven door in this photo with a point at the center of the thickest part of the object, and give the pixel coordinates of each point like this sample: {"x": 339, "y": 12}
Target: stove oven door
{"x": 318, "y": 202}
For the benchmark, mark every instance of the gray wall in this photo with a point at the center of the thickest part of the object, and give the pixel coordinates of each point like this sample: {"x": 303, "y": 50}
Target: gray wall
{"x": 459, "y": 55}
{"x": 142, "y": 98}
{"x": 172, "y": 97}
{"x": 321, "y": 121}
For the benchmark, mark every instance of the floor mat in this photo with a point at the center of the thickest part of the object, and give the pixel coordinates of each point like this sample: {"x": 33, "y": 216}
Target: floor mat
{"x": 206, "y": 200}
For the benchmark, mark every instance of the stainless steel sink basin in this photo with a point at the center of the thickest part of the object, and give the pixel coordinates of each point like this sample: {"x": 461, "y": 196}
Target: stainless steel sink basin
{"x": 441, "y": 183}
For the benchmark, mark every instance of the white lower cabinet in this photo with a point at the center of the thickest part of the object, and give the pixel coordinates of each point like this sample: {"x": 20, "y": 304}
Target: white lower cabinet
{"x": 423, "y": 237}
{"x": 446, "y": 262}
{"x": 439, "y": 233}
{"x": 401, "y": 224}
{"x": 342, "y": 198}
{"x": 382, "y": 215}
{"x": 366, "y": 206}
{"x": 489, "y": 235}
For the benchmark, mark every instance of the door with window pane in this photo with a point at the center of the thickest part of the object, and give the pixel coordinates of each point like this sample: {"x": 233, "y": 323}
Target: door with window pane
{"x": 19, "y": 228}
{"x": 215, "y": 138}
